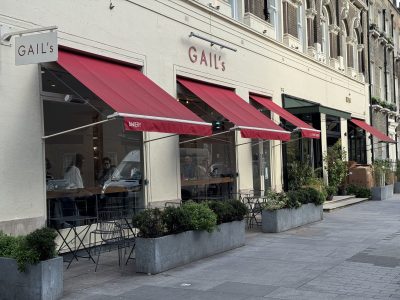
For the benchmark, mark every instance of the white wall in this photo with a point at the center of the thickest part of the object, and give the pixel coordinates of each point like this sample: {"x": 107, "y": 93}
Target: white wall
{"x": 21, "y": 157}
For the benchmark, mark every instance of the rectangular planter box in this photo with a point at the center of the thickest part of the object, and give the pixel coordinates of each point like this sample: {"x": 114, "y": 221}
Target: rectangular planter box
{"x": 155, "y": 255}
{"x": 41, "y": 281}
{"x": 288, "y": 218}
{"x": 397, "y": 187}
{"x": 382, "y": 192}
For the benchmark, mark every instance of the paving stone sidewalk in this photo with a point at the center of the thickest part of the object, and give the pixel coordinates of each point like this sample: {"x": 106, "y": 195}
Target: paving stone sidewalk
{"x": 354, "y": 253}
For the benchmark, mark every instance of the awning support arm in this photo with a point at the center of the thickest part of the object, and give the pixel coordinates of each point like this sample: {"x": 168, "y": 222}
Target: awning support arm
{"x": 268, "y": 141}
{"x": 160, "y": 138}
{"x": 109, "y": 118}
{"x": 204, "y": 137}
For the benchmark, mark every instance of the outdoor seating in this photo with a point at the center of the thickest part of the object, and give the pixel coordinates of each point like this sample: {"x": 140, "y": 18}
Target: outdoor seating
{"x": 107, "y": 236}
{"x": 254, "y": 206}
{"x": 113, "y": 232}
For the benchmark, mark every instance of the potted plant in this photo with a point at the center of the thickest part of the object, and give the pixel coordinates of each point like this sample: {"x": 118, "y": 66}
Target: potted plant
{"x": 359, "y": 191}
{"x": 381, "y": 191}
{"x": 284, "y": 211}
{"x": 179, "y": 235}
{"x": 336, "y": 166}
{"x": 376, "y": 103}
{"x": 397, "y": 182}
{"x": 32, "y": 268}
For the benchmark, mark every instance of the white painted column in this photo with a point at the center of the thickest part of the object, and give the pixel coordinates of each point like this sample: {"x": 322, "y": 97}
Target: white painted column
{"x": 344, "y": 137}
{"x": 244, "y": 160}
{"x": 324, "y": 146}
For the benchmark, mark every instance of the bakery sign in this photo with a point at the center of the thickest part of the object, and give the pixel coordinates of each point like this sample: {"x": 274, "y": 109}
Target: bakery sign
{"x": 36, "y": 48}
{"x": 206, "y": 58}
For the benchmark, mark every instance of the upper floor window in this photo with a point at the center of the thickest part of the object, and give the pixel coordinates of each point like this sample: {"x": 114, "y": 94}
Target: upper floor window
{"x": 300, "y": 27}
{"x": 235, "y": 9}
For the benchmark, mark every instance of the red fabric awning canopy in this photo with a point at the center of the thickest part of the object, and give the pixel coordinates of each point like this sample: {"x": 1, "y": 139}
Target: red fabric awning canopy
{"x": 250, "y": 121}
{"x": 375, "y": 132}
{"x": 307, "y": 131}
{"x": 142, "y": 103}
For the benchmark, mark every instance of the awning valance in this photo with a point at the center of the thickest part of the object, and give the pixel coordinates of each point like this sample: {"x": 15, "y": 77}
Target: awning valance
{"x": 250, "y": 121}
{"x": 306, "y": 130}
{"x": 142, "y": 103}
{"x": 375, "y": 132}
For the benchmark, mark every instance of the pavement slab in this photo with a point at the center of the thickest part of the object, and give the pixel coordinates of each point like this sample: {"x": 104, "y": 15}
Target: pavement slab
{"x": 352, "y": 254}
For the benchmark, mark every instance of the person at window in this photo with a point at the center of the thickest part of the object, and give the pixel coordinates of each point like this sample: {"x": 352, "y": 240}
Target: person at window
{"x": 73, "y": 173}
{"x": 203, "y": 169}
{"x": 49, "y": 176}
{"x": 188, "y": 168}
{"x": 107, "y": 171}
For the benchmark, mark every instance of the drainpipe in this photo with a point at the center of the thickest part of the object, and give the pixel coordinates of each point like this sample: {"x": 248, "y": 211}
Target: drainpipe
{"x": 369, "y": 86}
{"x": 339, "y": 42}
{"x": 394, "y": 82}
{"x": 386, "y": 79}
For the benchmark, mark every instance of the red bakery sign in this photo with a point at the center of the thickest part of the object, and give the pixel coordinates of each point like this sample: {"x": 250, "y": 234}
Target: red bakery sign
{"x": 206, "y": 58}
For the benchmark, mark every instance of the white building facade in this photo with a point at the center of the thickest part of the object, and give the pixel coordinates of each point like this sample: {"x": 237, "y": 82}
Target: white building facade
{"x": 306, "y": 75}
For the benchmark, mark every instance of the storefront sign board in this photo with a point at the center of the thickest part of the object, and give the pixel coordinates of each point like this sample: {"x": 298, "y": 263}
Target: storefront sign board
{"x": 36, "y": 48}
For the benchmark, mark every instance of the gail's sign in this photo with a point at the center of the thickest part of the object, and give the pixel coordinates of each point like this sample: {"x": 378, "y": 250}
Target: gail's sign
{"x": 206, "y": 58}
{"x": 36, "y": 48}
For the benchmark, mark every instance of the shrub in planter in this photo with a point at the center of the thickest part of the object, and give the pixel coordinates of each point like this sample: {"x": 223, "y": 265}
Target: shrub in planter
{"x": 223, "y": 210}
{"x": 150, "y": 223}
{"x": 358, "y": 191}
{"x": 335, "y": 164}
{"x": 239, "y": 210}
{"x": 331, "y": 191}
{"x": 30, "y": 249}
{"x": 280, "y": 200}
{"x": 201, "y": 216}
{"x": 176, "y": 220}
{"x": 228, "y": 211}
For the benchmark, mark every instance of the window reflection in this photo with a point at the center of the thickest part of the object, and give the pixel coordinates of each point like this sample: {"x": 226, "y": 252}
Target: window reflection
{"x": 207, "y": 165}
{"x": 90, "y": 170}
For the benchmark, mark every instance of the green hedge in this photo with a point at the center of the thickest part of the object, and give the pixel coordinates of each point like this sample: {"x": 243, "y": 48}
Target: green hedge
{"x": 358, "y": 191}
{"x": 190, "y": 216}
{"x": 30, "y": 249}
{"x": 294, "y": 199}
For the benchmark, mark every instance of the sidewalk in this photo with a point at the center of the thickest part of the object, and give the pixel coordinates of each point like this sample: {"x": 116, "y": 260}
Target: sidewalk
{"x": 354, "y": 253}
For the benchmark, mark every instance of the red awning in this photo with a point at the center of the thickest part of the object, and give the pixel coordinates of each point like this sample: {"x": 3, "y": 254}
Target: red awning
{"x": 250, "y": 121}
{"x": 306, "y": 130}
{"x": 142, "y": 103}
{"x": 375, "y": 132}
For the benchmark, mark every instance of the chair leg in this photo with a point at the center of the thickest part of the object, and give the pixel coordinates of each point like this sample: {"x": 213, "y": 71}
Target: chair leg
{"x": 130, "y": 253}
{"x": 119, "y": 255}
{"x": 97, "y": 261}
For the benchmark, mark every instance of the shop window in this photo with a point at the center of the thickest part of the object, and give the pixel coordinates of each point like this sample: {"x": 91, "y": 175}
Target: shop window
{"x": 261, "y": 157}
{"x": 207, "y": 164}
{"x": 301, "y": 152}
{"x": 357, "y": 144}
{"x": 93, "y": 169}
{"x": 332, "y": 130}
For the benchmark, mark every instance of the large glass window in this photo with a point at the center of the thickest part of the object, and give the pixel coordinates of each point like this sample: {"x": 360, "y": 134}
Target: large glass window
{"x": 261, "y": 157}
{"x": 208, "y": 164}
{"x": 357, "y": 144}
{"x": 93, "y": 169}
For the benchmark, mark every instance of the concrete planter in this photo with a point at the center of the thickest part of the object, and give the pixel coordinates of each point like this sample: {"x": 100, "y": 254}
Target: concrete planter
{"x": 382, "y": 192}
{"x": 155, "y": 255}
{"x": 397, "y": 187}
{"x": 288, "y": 218}
{"x": 41, "y": 281}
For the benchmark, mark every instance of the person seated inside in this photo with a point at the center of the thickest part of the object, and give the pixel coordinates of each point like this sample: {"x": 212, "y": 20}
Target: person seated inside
{"x": 203, "y": 169}
{"x": 107, "y": 171}
{"x": 73, "y": 173}
{"x": 188, "y": 168}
